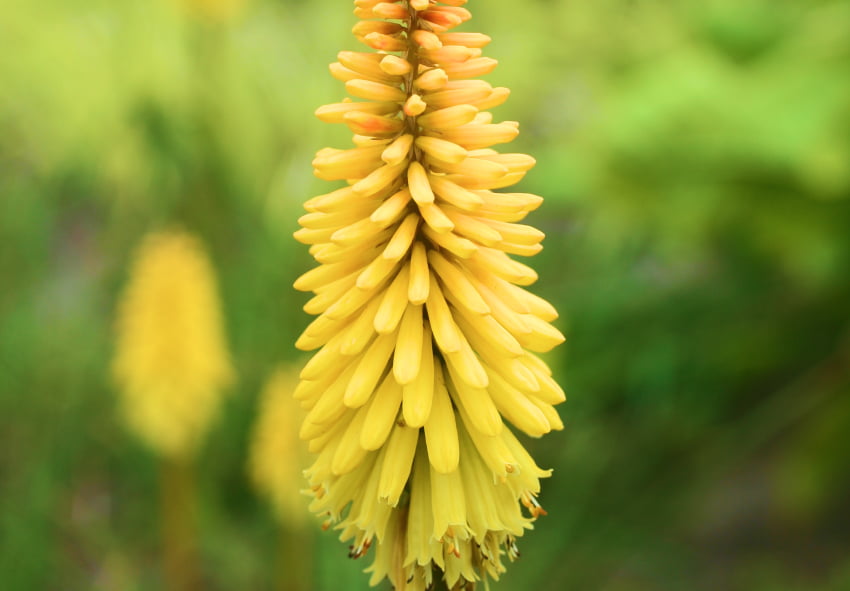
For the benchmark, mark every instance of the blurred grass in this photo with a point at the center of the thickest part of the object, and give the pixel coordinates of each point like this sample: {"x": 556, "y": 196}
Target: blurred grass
{"x": 695, "y": 157}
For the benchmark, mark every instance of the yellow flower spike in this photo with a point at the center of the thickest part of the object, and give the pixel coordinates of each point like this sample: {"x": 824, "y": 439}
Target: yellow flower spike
{"x": 171, "y": 363}
{"x": 426, "y": 333}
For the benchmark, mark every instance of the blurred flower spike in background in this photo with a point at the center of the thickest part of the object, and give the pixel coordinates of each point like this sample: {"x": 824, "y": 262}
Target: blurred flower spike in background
{"x": 171, "y": 363}
{"x": 277, "y": 453}
{"x": 424, "y": 332}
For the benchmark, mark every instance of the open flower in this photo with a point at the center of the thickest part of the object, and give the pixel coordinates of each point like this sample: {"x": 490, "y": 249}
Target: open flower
{"x": 426, "y": 336}
{"x": 171, "y": 361}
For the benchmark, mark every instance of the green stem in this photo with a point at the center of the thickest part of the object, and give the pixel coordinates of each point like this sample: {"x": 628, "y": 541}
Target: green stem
{"x": 296, "y": 560}
{"x": 180, "y": 561}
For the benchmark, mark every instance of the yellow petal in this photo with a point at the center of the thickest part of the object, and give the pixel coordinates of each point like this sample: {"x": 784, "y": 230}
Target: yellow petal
{"x": 441, "y": 430}
{"x": 396, "y": 469}
{"x": 408, "y": 350}
{"x": 381, "y": 415}
{"x": 419, "y": 286}
{"x": 418, "y": 395}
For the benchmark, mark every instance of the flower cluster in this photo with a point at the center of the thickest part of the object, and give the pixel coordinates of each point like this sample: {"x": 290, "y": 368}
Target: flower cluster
{"x": 171, "y": 361}
{"x": 426, "y": 337}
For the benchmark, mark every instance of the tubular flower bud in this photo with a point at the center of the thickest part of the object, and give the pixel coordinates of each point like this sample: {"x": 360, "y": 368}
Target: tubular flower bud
{"x": 171, "y": 363}
{"x": 425, "y": 335}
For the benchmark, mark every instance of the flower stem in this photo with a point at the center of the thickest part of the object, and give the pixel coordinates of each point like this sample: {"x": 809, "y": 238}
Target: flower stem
{"x": 177, "y": 499}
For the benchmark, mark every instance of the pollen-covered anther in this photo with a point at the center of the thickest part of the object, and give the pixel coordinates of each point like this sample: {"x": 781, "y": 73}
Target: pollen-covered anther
{"x": 355, "y": 552}
{"x": 530, "y": 502}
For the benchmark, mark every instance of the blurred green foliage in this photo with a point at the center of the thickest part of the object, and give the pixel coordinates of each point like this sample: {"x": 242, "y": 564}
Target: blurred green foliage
{"x": 695, "y": 157}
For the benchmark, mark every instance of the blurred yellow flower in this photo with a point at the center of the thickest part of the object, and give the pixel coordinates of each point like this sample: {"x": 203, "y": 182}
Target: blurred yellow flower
{"x": 276, "y": 450}
{"x": 426, "y": 336}
{"x": 171, "y": 362}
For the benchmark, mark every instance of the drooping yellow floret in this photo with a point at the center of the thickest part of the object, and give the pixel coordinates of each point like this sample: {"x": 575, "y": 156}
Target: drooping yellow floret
{"x": 426, "y": 337}
{"x": 171, "y": 363}
{"x": 276, "y": 450}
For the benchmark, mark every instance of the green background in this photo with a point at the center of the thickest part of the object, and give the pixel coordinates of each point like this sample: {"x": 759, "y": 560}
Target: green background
{"x": 695, "y": 160}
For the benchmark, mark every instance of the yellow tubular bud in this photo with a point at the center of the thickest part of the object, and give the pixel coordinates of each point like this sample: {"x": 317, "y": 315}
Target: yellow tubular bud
{"x": 380, "y": 179}
{"x": 446, "y": 333}
{"x": 426, "y": 39}
{"x": 441, "y": 430}
{"x": 400, "y": 450}
{"x": 449, "y": 117}
{"x": 417, "y": 180}
{"x": 418, "y": 395}
{"x": 471, "y": 68}
{"x": 466, "y": 39}
{"x": 369, "y": 370}
{"x": 432, "y": 79}
{"x": 474, "y": 228}
{"x": 455, "y": 194}
{"x": 363, "y": 28}
{"x": 349, "y": 452}
{"x": 408, "y": 349}
{"x": 374, "y": 91}
{"x": 419, "y": 285}
{"x": 484, "y": 172}
{"x": 414, "y": 106}
{"x": 460, "y": 247}
{"x": 518, "y": 408}
{"x": 393, "y": 304}
{"x": 458, "y": 284}
{"x": 360, "y": 332}
{"x": 394, "y": 65}
{"x": 381, "y": 415}
{"x": 372, "y": 125}
{"x": 443, "y": 98}
{"x": 435, "y": 217}
{"x": 383, "y": 42}
{"x": 441, "y": 150}
{"x": 402, "y": 239}
{"x": 467, "y": 369}
{"x": 397, "y": 151}
{"x": 391, "y": 209}
{"x": 368, "y": 64}
{"x": 449, "y": 54}
{"x": 335, "y": 113}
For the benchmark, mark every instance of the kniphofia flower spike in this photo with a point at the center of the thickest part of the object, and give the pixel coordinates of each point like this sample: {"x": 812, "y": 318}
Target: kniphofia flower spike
{"x": 426, "y": 337}
{"x": 172, "y": 363}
